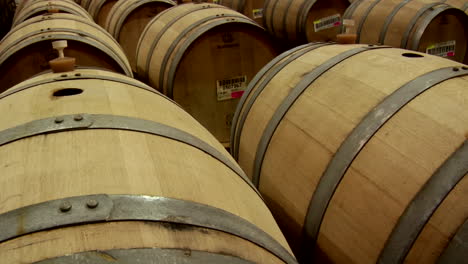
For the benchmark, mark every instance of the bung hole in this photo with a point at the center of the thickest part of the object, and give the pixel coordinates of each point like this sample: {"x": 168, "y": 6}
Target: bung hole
{"x": 67, "y": 92}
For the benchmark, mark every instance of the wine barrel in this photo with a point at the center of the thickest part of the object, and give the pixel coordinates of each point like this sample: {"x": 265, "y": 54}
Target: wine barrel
{"x": 302, "y": 21}
{"x": 460, "y": 4}
{"x": 202, "y": 56}
{"x": 85, "y": 3}
{"x": 27, "y": 49}
{"x": 251, "y": 8}
{"x": 348, "y": 155}
{"x": 435, "y": 28}
{"x": 37, "y": 8}
{"x": 99, "y": 9}
{"x": 127, "y": 19}
{"x": 107, "y": 149}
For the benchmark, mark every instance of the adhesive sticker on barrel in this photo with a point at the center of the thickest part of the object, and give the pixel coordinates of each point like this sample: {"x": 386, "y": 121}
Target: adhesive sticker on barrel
{"x": 257, "y": 13}
{"x": 327, "y": 22}
{"x": 443, "y": 49}
{"x": 231, "y": 88}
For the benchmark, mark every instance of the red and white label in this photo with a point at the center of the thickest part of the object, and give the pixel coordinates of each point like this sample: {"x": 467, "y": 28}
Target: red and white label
{"x": 231, "y": 88}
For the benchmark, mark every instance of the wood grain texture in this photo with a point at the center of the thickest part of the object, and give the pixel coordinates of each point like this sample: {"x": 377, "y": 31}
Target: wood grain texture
{"x": 27, "y": 49}
{"x": 448, "y": 25}
{"x": 388, "y": 171}
{"x": 191, "y": 47}
{"x": 37, "y": 8}
{"x": 113, "y": 161}
{"x": 126, "y": 21}
{"x": 293, "y": 20}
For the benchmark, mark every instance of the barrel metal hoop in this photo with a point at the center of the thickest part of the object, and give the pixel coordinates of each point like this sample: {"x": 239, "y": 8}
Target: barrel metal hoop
{"x": 188, "y": 41}
{"x": 86, "y": 77}
{"x": 457, "y": 250}
{"x": 304, "y": 12}
{"x": 97, "y": 10}
{"x": 145, "y": 256}
{"x": 45, "y": 8}
{"x": 465, "y": 7}
{"x": 290, "y": 99}
{"x": 285, "y": 18}
{"x": 348, "y": 14}
{"x": 155, "y": 40}
{"x": 125, "y": 68}
{"x": 273, "y": 9}
{"x": 86, "y": 209}
{"x": 249, "y": 89}
{"x": 425, "y": 23}
{"x": 100, "y": 121}
{"x": 389, "y": 19}
{"x": 269, "y": 73}
{"x": 423, "y": 206}
{"x": 364, "y": 19}
{"x": 176, "y": 42}
{"x": 264, "y": 18}
{"x": 412, "y": 23}
{"x": 129, "y": 9}
{"x": 357, "y": 140}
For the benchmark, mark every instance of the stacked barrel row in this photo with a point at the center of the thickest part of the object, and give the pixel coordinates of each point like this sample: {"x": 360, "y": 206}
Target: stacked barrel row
{"x": 99, "y": 167}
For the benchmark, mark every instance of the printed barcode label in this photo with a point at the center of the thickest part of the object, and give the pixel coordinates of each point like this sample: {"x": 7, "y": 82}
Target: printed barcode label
{"x": 443, "y": 49}
{"x": 231, "y": 88}
{"x": 257, "y": 13}
{"x": 327, "y": 22}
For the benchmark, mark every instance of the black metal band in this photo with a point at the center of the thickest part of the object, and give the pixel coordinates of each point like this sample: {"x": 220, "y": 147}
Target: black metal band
{"x": 423, "y": 206}
{"x": 389, "y": 19}
{"x": 412, "y": 23}
{"x": 89, "y": 121}
{"x": 457, "y": 250}
{"x": 364, "y": 18}
{"x": 465, "y": 7}
{"x": 86, "y": 209}
{"x": 129, "y": 9}
{"x": 155, "y": 40}
{"x": 302, "y": 20}
{"x": 175, "y": 43}
{"x": 287, "y": 103}
{"x": 425, "y": 23}
{"x": 359, "y": 137}
{"x": 267, "y": 73}
{"x": 145, "y": 256}
{"x": 193, "y": 36}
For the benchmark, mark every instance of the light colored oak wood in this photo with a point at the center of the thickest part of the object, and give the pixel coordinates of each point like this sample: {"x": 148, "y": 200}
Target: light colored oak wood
{"x": 99, "y": 10}
{"x": 128, "y": 235}
{"x": 220, "y": 44}
{"x": 37, "y": 8}
{"x": 27, "y": 49}
{"x": 72, "y": 163}
{"x": 293, "y": 20}
{"x": 127, "y": 19}
{"x": 443, "y": 26}
{"x": 388, "y": 171}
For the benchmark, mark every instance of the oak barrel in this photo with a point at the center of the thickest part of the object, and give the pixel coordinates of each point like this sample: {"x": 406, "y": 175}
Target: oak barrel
{"x": 127, "y": 19}
{"x": 427, "y": 26}
{"x": 37, "y": 8}
{"x": 148, "y": 179}
{"x": 86, "y": 3}
{"x": 203, "y": 56}
{"x": 99, "y": 9}
{"x": 27, "y": 49}
{"x": 359, "y": 151}
{"x": 302, "y": 21}
{"x": 251, "y": 8}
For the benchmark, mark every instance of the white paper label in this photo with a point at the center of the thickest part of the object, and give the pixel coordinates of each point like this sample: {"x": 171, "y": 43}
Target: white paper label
{"x": 231, "y": 88}
{"x": 443, "y": 49}
{"x": 257, "y": 13}
{"x": 327, "y": 22}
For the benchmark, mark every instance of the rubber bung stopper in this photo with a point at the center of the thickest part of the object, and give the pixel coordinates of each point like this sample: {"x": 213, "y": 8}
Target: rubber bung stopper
{"x": 65, "y": 64}
{"x": 347, "y": 37}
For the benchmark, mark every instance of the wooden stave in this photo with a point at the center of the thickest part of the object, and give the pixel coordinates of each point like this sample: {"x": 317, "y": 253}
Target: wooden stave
{"x": 68, "y": 6}
{"x": 84, "y": 78}
{"x": 414, "y": 255}
{"x": 424, "y": 11}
